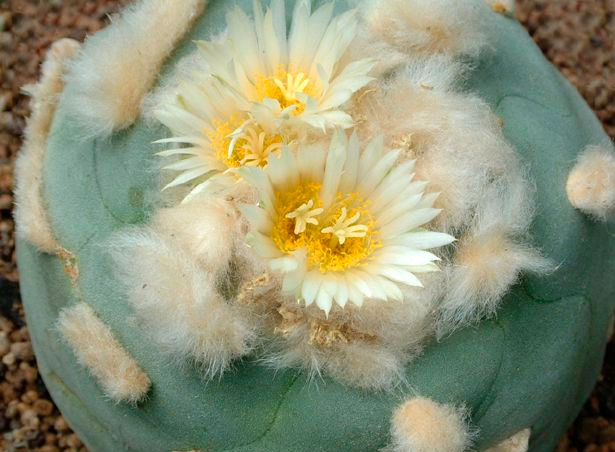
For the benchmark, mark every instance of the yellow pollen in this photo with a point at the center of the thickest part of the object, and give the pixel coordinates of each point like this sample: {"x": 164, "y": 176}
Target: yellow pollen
{"x": 286, "y": 86}
{"x": 325, "y": 251}
{"x": 251, "y": 148}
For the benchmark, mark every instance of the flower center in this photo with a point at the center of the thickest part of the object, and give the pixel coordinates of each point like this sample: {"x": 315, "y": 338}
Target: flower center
{"x": 289, "y": 88}
{"x": 250, "y": 147}
{"x": 337, "y": 238}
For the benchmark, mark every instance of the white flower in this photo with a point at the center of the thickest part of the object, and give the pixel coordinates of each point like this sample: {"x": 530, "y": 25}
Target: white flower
{"x": 213, "y": 136}
{"x": 261, "y": 88}
{"x": 364, "y": 238}
{"x": 290, "y": 76}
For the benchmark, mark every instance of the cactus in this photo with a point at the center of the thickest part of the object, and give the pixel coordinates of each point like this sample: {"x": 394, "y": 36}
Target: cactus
{"x": 532, "y": 366}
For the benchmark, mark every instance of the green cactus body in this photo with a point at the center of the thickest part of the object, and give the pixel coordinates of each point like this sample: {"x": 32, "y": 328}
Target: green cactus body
{"x": 532, "y": 366}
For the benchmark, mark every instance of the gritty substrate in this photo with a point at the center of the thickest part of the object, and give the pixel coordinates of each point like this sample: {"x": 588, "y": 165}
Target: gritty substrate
{"x": 576, "y": 35}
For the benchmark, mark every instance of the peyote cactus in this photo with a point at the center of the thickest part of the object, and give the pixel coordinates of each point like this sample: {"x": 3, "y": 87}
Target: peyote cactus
{"x": 89, "y": 204}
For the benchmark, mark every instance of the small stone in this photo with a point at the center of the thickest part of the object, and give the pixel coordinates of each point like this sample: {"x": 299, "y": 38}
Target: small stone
{"x": 73, "y": 440}
{"x": 5, "y": 344}
{"x": 43, "y": 407}
{"x": 22, "y": 351}
{"x": 29, "y": 419}
{"x": 8, "y": 359}
{"x": 61, "y": 425}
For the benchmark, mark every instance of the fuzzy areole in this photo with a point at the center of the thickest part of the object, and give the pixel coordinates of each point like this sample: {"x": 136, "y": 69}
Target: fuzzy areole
{"x": 544, "y": 346}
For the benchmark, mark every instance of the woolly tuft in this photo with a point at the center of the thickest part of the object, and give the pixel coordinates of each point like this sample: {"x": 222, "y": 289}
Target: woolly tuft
{"x": 491, "y": 256}
{"x": 179, "y": 301}
{"x": 30, "y": 211}
{"x": 422, "y": 425}
{"x": 365, "y": 347}
{"x": 519, "y": 442}
{"x": 591, "y": 183}
{"x": 207, "y": 229}
{"x": 502, "y": 6}
{"x": 486, "y": 198}
{"x": 398, "y": 29}
{"x": 115, "y": 70}
{"x": 486, "y": 266}
{"x": 99, "y": 351}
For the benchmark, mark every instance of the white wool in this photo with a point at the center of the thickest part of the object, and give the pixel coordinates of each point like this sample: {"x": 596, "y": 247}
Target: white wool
{"x": 116, "y": 69}
{"x": 486, "y": 266}
{"x": 502, "y": 6}
{"x": 179, "y": 303}
{"x": 30, "y": 210}
{"x": 491, "y": 256}
{"x": 394, "y": 28}
{"x": 208, "y": 229}
{"x": 455, "y": 138}
{"x": 487, "y": 200}
{"x": 519, "y": 442}
{"x": 423, "y": 425}
{"x": 591, "y": 183}
{"x": 379, "y": 339}
{"x": 99, "y": 351}
{"x": 166, "y": 92}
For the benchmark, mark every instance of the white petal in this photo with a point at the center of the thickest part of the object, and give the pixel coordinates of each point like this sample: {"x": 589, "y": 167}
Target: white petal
{"x": 341, "y": 292}
{"x": 391, "y": 290}
{"x": 378, "y": 172}
{"x": 370, "y": 156}
{"x": 186, "y": 164}
{"x": 197, "y": 140}
{"x": 324, "y": 301}
{"x": 299, "y": 33}
{"x": 263, "y": 245}
{"x": 348, "y": 181}
{"x": 181, "y": 151}
{"x": 310, "y": 287}
{"x": 244, "y": 40}
{"x": 394, "y": 210}
{"x": 335, "y": 41}
{"x": 282, "y": 170}
{"x": 354, "y": 294}
{"x": 257, "y": 216}
{"x": 317, "y": 25}
{"x": 427, "y": 268}
{"x": 423, "y": 240}
{"x": 292, "y": 281}
{"x": 355, "y": 278}
{"x": 179, "y": 120}
{"x": 402, "y": 256}
{"x": 409, "y": 221}
{"x": 311, "y": 162}
{"x": 333, "y": 168}
{"x": 258, "y": 178}
{"x": 398, "y": 274}
{"x": 284, "y": 264}
{"x": 429, "y": 199}
{"x": 395, "y": 182}
{"x": 187, "y": 177}
{"x": 352, "y": 78}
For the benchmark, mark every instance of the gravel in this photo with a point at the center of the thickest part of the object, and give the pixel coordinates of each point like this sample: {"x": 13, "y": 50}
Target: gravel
{"x": 578, "y": 36}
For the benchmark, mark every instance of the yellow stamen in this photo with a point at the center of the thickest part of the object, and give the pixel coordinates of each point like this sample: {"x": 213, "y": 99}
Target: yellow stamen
{"x": 324, "y": 252}
{"x": 286, "y": 86}
{"x": 304, "y": 215}
{"x": 251, "y": 148}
